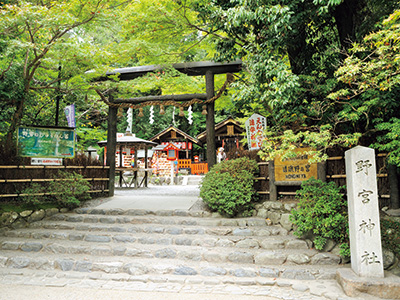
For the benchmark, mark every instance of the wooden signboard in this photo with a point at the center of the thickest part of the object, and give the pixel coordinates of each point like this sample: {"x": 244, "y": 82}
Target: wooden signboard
{"x": 295, "y": 169}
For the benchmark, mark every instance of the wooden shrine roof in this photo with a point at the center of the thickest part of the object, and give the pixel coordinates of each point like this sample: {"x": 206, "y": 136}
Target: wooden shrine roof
{"x": 165, "y": 136}
{"x": 130, "y": 140}
{"x": 221, "y": 130}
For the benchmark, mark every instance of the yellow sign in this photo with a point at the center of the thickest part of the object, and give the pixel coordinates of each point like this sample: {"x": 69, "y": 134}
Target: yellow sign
{"x": 295, "y": 169}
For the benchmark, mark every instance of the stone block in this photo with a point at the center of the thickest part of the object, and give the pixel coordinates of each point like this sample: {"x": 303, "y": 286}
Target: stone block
{"x": 124, "y": 239}
{"x": 36, "y": 216}
{"x": 51, "y": 212}
{"x": 285, "y": 222}
{"x": 20, "y": 223}
{"x": 26, "y": 213}
{"x": 274, "y": 216}
{"x": 182, "y": 270}
{"x": 354, "y": 286}
{"x": 269, "y": 272}
{"x": 214, "y": 256}
{"x": 213, "y": 271}
{"x": 64, "y": 264}
{"x": 225, "y": 243}
{"x": 298, "y": 259}
{"x": 297, "y": 274}
{"x": 244, "y": 272}
{"x": 270, "y": 258}
{"x": 325, "y": 259}
{"x": 272, "y": 244}
{"x": 135, "y": 269}
{"x": 241, "y": 257}
{"x": 165, "y": 253}
{"x": 31, "y": 247}
{"x": 108, "y": 267}
{"x": 389, "y": 259}
{"x": 8, "y": 218}
{"x": 248, "y": 243}
{"x": 18, "y": 262}
{"x": 97, "y": 238}
{"x": 296, "y": 244}
{"x": 262, "y": 213}
{"x": 243, "y": 231}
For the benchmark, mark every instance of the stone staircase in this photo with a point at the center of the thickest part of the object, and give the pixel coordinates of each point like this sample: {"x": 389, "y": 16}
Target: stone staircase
{"x": 192, "y": 179}
{"x": 155, "y": 247}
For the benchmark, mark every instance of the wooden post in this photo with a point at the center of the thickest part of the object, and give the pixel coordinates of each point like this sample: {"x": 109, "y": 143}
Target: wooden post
{"x": 146, "y": 165}
{"x": 121, "y": 165}
{"x": 187, "y": 148}
{"x": 111, "y": 146}
{"x": 135, "y": 173}
{"x": 210, "y": 121}
{"x": 273, "y": 191}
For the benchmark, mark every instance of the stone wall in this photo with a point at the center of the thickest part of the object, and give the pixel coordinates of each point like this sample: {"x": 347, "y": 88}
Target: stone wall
{"x": 275, "y": 213}
{"x": 24, "y": 219}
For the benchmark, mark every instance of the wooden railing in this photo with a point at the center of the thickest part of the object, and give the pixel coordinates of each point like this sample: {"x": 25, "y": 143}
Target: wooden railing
{"x": 14, "y": 178}
{"x": 199, "y": 168}
{"x": 335, "y": 171}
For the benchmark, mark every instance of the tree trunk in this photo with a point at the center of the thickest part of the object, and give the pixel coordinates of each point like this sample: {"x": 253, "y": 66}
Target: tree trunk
{"x": 346, "y": 17}
{"x": 15, "y": 121}
{"x": 394, "y": 187}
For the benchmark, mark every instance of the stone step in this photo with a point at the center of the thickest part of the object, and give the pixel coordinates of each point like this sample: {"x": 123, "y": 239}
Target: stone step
{"x": 181, "y": 217}
{"x": 139, "y": 266}
{"x": 154, "y": 228}
{"x": 155, "y": 235}
{"x": 181, "y": 286}
{"x": 203, "y": 249}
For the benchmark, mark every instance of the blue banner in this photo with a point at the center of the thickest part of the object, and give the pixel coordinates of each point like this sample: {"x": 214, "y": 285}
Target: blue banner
{"x": 70, "y": 114}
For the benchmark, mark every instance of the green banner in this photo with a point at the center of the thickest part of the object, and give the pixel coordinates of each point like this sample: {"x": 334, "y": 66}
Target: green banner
{"x": 46, "y": 142}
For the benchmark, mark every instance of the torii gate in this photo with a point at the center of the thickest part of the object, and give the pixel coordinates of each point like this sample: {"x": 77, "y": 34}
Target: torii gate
{"x": 205, "y": 68}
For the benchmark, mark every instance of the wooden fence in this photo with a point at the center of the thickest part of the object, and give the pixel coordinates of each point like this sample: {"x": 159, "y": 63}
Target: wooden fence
{"x": 335, "y": 171}
{"x": 14, "y": 179}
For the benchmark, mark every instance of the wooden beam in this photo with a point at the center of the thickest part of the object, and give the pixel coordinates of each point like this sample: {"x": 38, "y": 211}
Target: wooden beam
{"x": 178, "y": 98}
{"x": 191, "y": 69}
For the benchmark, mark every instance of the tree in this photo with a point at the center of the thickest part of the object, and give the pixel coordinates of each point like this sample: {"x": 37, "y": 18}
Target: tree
{"x": 41, "y": 46}
{"x": 292, "y": 50}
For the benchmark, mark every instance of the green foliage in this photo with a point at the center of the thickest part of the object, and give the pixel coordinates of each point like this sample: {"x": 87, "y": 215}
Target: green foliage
{"x": 228, "y": 187}
{"x": 89, "y": 137}
{"x": 32, "y": 192}
{"x": 390, "y": 232}
{"x": 70, "y": 189}
{"x": 321, "y": 212}
{"x": 67, "y": 190}
{"x": 284, "y": 144}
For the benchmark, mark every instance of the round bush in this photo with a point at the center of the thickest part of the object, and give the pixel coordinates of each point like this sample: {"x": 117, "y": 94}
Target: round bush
{"x": 228, "y": 187}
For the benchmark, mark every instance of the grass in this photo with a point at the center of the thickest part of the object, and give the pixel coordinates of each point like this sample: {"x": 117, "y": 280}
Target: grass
{"x": 20, "y": 206}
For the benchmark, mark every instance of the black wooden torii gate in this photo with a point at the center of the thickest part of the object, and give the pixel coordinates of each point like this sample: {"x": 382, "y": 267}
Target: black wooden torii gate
{"x": 205, "y": 68}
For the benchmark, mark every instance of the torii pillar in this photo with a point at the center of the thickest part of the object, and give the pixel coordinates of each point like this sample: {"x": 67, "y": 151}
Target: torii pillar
{"x": 210, "y": 120}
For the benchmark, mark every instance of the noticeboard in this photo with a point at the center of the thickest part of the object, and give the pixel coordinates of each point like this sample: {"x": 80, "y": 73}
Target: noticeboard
{"x": 295, "y": 169}
{"x": 46, "y": 142}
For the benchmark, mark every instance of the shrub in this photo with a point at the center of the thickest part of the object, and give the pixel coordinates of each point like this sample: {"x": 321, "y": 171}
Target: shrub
{"x": 70, "y": 190}
{"x": 322, "y": 212}
{"x": 67, "y": 191}
{"x": 390, "y": 231}
{"x": 228, "y": 187}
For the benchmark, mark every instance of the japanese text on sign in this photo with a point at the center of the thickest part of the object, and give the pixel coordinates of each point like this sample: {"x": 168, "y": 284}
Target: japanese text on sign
{"x": 46, "y": 142}
{"x": 295, "y": 169}
{"x": 255, "y": 127}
